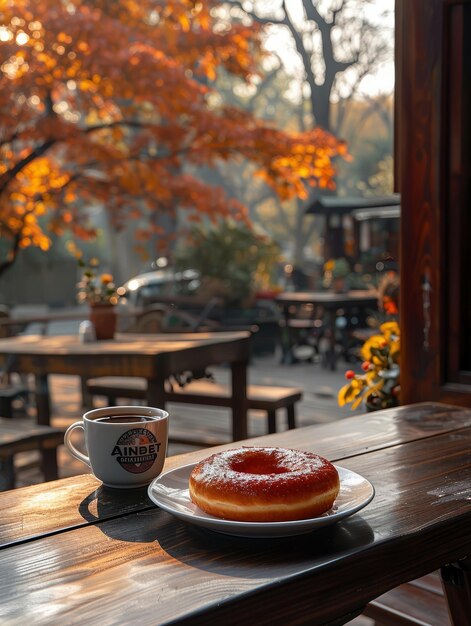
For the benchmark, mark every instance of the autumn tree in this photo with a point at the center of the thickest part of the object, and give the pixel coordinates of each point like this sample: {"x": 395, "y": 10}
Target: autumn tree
{"x": 104, "y": 101}
{"x": 264, "y": 98}
{"x": 337, "y": 44}
{"x": 329, "y": 47}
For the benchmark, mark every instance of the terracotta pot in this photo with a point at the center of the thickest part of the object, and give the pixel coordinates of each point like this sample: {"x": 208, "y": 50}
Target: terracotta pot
{"x": 104, "y": 318}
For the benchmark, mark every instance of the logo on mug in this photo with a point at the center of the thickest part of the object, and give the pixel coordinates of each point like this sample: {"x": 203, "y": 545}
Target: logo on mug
{"x": 136, "y": 450}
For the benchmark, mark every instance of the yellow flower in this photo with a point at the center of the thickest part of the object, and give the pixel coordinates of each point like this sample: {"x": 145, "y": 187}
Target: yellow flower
{"x": 394, "y": 350}
{"x": 96, "y": 288}
{"x": 390, "y": 328}
{"x": 377, "y": 342}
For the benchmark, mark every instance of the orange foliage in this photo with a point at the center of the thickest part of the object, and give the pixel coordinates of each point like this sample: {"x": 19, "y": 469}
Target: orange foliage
{"x": 106, "y": 101}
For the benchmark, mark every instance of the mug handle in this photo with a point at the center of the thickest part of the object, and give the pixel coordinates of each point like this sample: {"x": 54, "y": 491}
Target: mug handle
{"x": 72, "y": 449}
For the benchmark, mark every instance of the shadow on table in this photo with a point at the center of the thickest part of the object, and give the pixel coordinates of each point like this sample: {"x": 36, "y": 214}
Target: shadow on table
{"x": 214, "y": 552}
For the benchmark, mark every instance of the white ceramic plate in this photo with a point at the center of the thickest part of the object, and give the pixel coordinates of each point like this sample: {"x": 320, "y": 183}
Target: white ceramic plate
{"x": 169, "y": 491}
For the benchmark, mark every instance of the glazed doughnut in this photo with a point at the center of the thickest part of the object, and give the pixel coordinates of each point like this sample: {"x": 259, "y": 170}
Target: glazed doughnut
{"x": 264, "y": 484}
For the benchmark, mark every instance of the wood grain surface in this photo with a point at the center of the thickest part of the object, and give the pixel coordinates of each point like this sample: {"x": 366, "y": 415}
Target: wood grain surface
{"x": 127, "y": 355}
{"x": 337, "y": 442}
{"x": 138, "y": 564}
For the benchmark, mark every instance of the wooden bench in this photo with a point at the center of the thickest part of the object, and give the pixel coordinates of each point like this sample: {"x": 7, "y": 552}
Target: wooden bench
{"x": 20, "y": 435}
{"x": 420, "y": 602}
{"x": 260, "y": 397}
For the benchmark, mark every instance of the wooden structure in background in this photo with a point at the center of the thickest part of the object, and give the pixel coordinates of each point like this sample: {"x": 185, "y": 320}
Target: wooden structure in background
{"x": 373, "y": 222}
{"x": 433, "y": 173}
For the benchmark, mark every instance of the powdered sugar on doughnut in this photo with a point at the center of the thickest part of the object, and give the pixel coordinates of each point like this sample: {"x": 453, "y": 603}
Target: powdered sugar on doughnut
{"x": 250, "y": 483}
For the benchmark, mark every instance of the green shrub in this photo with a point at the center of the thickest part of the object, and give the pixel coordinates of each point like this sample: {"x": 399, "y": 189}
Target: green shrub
{"x": 234, "y": 261}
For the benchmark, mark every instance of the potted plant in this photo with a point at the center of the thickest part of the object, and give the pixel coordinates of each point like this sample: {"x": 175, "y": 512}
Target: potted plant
{"x": 99, "y": 292}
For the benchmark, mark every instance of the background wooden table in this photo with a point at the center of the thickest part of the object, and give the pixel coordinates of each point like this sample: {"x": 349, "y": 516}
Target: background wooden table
{"x": 154, "y": 357}
{"x": 330, "y": 303}
{"x": 75, "y": 552}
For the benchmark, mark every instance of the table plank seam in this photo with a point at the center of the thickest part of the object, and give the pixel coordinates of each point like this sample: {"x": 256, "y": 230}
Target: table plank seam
{"x": 77, "y": 526}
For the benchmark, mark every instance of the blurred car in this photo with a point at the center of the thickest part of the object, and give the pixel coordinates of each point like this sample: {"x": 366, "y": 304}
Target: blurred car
{"x": 171, "y": 299}
{"x": 159, "y": 286}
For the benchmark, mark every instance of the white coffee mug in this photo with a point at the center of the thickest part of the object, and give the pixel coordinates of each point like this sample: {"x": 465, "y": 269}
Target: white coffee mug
{"x": 126, "y": 445}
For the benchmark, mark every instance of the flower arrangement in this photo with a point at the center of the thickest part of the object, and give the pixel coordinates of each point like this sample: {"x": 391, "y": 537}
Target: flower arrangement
{"x": 335, "y": 273}
{"x": 94, "y": 288}
{"x": 378, "y": 385}
{"x": 337, "y": 268}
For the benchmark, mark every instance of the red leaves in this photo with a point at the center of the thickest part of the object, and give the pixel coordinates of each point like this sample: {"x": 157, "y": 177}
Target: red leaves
{"x": 107, "y": 103}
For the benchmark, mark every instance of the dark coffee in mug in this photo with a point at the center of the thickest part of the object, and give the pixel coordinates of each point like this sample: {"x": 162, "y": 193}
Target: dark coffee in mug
{"x": 126, "y": 419}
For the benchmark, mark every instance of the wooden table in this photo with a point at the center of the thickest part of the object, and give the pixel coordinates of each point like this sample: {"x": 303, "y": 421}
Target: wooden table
{"x": 330, "y": 303}
{"x": 154, "y": 357}
{"x": 73, "y": 552}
